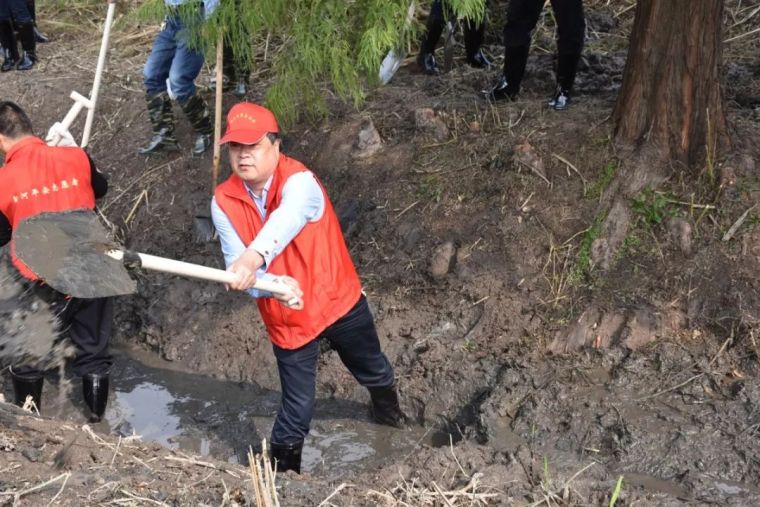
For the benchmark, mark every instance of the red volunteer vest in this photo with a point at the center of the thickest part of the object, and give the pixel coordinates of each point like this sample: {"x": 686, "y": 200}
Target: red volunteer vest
{"x": 317, "y": 257}
{"x": 38, "y": 178}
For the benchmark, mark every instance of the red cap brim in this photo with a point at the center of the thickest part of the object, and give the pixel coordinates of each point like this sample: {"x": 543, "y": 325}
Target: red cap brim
{"x": 243, "y": 137}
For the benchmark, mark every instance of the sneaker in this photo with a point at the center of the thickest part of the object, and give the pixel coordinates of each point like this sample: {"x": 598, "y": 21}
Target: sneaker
{"x": 561, "y": 100}
{"x": 500, "y": 91}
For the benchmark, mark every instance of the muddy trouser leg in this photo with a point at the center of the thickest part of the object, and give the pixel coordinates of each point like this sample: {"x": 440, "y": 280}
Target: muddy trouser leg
{"x": 298, "y": 378}
{"x": 355, "y": 339}
{"x": 571, "y": 30}
{"x": 522, "y": 16}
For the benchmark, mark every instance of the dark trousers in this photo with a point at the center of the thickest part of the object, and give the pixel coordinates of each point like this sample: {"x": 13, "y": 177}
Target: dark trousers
{"x": 88, "y": 324}
{"x": 473, "y": 32}
{"x": 523, "y": 15}
{"x": 355, "y": 339}
{"x": 17, "y": 10}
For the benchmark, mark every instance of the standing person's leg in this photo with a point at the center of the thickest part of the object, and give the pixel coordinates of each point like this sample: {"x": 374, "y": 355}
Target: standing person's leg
{"x": 38, "y": 36}
{"x": 571, "y": 31}
{"x": 185, "y": 68}
{"x": 155, "y": 75}
{"x": 23, "y": 20}
{"x": 90, "y": 330}
{"x": 434, "y": 29}
{"x": 473, "y": 40}
{"x": 8, "y": 39}
{"x": 355, "y": 339}
{"x": 522, "y": 16}
{"x": 298, "y": 379}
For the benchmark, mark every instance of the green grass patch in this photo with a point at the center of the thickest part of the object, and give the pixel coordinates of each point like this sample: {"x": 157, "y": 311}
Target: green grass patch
{"x": 583, "y": 263}
{"x": 597, "y": 187}
{"x": 653, "y": 207}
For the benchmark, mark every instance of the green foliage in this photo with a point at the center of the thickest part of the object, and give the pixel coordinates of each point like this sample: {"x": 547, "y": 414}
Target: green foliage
{"x": 583, "y": 260}
{"x": 596, "y": 188}
{"x": 319, "y": 46}
{"x": 653, "y": 207}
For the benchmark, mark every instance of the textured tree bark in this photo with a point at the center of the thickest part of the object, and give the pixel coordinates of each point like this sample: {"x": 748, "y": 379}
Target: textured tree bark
{"x": 671, "y": 96}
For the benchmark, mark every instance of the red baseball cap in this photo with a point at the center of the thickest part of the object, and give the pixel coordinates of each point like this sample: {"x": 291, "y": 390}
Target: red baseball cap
{"x": 247, "y": 123}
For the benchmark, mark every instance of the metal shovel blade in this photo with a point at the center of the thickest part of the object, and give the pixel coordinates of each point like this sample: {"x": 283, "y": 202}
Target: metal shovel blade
{"x": 68, "y": 251}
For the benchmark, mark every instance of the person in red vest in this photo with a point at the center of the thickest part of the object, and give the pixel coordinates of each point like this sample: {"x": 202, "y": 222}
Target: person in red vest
{"x": 274, "y": 219}
{"x": 38, "y": 178}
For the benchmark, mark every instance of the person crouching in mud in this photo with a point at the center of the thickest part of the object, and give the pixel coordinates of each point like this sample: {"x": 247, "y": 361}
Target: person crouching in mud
{"x": 274, "y": 218}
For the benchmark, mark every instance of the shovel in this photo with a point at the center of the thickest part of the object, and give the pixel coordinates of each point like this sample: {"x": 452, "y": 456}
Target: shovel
{"x": 395, "y": 56}
{"x": 73, "y": 254}
{"x": 202, "y": 223}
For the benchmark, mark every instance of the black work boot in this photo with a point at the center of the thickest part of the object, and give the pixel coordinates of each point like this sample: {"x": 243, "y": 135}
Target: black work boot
{"x": 95, "y": 390}
{"x": 162, "y": 121}
{"x": 385, "y": 407}
{"x": 29, "y": 44}
{"x": 27, "y": 383}
{"x": 286, "y": 457}
{"x": 197, "y": 113}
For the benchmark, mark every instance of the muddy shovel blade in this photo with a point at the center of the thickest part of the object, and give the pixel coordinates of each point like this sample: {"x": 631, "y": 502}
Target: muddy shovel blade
{"x": 68, "y": 251}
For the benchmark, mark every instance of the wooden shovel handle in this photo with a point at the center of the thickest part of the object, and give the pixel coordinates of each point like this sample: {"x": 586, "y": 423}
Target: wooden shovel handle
{"x": 218, "y": 111}
{"x": 197, "y": 271}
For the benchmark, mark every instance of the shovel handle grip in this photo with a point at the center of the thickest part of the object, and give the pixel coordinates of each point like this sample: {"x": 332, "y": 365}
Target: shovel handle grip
{"x": 201, "y": 272}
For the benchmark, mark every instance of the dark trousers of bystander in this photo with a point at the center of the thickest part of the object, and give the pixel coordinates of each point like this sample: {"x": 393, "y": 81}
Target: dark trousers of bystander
{"x": 355, "y": 339}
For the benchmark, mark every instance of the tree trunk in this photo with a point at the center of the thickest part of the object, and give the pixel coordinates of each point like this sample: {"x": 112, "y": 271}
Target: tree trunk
{"x": 670, "y": 96}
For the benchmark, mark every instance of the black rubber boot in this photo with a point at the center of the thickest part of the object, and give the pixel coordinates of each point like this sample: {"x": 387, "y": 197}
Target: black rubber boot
{"x": 8, "y": 41}
{"x": 162, "y": 121}
{"x": 286, "y": 457}
{"x": 197, "y": 113}
{"x": 95, "y": 390}
{"x": 385, "y": 407}
{"x": 27, "y": 384}
{"x": 29, "y": 44}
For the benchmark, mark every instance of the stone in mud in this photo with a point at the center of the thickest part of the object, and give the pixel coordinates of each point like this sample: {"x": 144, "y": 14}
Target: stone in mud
{"x": 368, "y": 142}
{"x": 681, "y": 234}
{"x": 441, "y": 262}
{"x": 428, "y": 122}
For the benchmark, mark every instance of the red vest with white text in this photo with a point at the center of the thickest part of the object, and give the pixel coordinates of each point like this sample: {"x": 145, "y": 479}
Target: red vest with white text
{"x": 317, "y": 257}
{"x": 38, "y": 178}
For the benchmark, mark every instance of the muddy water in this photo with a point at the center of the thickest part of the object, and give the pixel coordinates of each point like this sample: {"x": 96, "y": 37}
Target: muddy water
{"x": 222, "y": 419}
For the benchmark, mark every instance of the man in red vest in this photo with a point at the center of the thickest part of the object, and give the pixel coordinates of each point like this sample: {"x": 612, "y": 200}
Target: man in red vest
{"x": 35, "y": 179}
{"x": 274, "y": 219}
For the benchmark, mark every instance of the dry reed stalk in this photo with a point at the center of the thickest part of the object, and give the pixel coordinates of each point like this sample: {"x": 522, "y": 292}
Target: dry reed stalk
{"x": 263, "y": 477}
